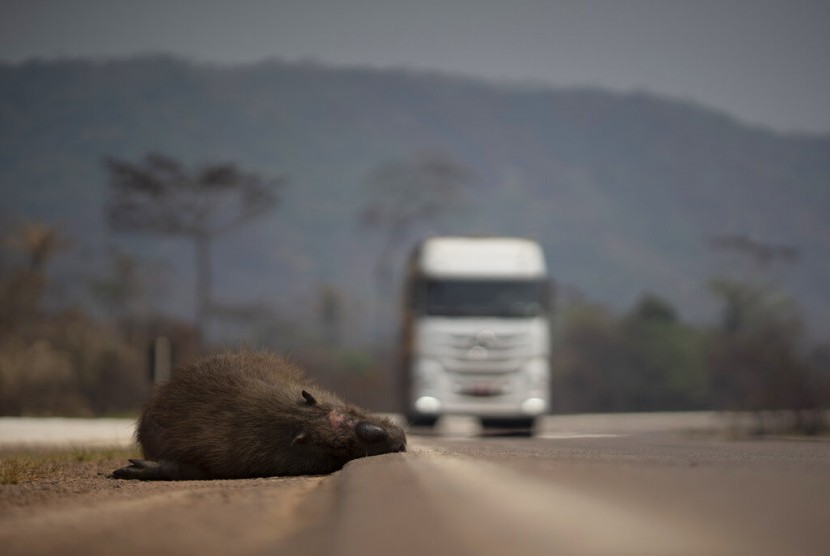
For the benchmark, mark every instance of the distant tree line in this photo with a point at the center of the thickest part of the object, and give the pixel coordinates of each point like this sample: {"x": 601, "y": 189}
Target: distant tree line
{"x": 646, "y": 360}
{"x": 753, "y": 360}
{"x": 58, "y": 362}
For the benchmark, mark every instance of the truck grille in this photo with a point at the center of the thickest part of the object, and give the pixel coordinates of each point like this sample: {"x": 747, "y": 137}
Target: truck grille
{"x": 485, "y": 351}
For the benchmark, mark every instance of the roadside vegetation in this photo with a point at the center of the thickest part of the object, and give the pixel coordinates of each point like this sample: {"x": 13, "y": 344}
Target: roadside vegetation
{"x": 18, "y": 466}
{"x": 758, "y": 358}
{"x": 755, "y": 361}
{"x": 93, "y": 357}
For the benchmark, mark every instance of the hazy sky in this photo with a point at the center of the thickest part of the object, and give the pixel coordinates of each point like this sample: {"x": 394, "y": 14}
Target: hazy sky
{"x": 763, "y": 61}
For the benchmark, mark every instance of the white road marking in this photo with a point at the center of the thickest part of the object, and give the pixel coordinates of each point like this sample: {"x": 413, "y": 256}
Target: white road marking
{"x": 569, "y": 435}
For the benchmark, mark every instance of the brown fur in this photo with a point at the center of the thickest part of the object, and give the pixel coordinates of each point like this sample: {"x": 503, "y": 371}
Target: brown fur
{"x": 252, "y": 414}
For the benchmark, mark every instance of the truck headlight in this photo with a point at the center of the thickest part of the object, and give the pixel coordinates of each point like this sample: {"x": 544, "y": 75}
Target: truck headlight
{"x": 428, "y": 404}
{"x": 533, "y": 406}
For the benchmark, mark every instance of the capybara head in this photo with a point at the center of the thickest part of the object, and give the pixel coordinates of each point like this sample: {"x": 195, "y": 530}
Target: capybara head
{"x": 343, "y": 430}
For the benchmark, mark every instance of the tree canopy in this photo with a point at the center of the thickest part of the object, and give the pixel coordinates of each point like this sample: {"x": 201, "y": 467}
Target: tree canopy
{"x": 159, "y": 195}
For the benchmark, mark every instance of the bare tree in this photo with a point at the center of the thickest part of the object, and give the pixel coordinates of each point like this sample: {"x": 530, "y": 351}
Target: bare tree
{"x": 118, "y": 291}
{"x": 331, "y": 315}
{"x": 157, "y": 195}
{"x": 758, "y": 356}
{"x": 405, "y": 194}
{"x": 761, "y": 253}
{"x": 39, "y": 242}
{"x": 21, "y": 292}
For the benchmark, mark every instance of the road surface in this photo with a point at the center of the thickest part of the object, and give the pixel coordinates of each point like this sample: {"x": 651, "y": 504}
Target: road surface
{"x": 634, "y": 485}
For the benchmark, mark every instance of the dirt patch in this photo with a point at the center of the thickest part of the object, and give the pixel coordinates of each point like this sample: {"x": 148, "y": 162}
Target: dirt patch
{"x": 64, "y": 503}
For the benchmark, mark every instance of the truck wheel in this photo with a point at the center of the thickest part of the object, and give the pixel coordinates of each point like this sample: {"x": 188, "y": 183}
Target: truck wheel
{"x": 423, "y": 420}
{"x": 518, "y": 426}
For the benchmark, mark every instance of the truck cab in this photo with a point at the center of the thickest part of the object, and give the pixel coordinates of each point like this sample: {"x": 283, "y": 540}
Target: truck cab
{"x": 476, "y": 331}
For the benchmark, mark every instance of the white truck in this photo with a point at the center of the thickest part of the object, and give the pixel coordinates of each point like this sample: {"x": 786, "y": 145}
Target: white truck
{"x": 476, "y": 331}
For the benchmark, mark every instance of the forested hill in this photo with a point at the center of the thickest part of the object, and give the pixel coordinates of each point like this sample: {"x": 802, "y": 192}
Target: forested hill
{"x": 625, "y": 191}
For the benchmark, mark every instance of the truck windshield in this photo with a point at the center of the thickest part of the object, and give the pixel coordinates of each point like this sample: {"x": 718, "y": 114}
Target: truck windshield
{"x": 479, "y": 298}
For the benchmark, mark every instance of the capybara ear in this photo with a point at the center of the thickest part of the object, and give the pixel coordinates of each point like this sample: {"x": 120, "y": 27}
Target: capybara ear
{"x": 309, "y": 398}
{"x": 301, "y": 438}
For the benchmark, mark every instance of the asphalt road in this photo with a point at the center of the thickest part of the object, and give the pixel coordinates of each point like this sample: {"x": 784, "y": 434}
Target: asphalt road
{"x": 634, "y": 485}
{"x": 594, "y": 493}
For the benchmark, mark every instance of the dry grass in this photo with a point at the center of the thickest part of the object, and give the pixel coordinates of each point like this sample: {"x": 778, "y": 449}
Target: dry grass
{"x": 27, "y": 465}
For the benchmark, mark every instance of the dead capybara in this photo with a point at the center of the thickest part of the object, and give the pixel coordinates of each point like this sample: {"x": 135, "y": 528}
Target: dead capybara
{"x": 251, "y": 414}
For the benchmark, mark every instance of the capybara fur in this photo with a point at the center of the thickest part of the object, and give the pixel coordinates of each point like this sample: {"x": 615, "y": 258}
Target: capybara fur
{"x": 251, "y": 414}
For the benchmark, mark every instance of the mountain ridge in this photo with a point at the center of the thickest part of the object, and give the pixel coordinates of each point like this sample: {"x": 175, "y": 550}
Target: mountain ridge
{"x": 622, "y": 189}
